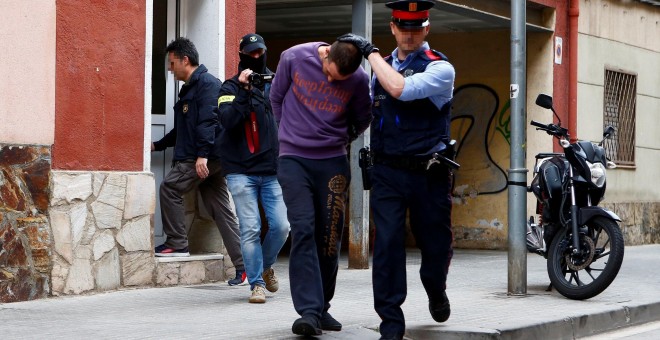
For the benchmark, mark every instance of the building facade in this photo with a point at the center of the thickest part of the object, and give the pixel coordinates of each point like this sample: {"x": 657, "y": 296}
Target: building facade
{"x": 86, "y": 91}
{"x": 77, "y": 184}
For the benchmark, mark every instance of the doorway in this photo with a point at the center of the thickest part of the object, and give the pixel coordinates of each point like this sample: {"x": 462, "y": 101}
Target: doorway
{"x": 203, "y": 23}
{"x": 164, "y": 94}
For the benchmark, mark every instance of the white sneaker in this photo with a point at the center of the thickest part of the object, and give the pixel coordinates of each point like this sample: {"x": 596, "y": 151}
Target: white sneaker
{"x": 258, "y": 295}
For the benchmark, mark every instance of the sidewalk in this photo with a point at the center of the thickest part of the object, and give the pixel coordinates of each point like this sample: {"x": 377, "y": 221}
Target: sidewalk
{"x": 477, "y": 289}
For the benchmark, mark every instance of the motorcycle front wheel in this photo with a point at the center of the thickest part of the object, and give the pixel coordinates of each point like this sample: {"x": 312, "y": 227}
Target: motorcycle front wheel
{"x": 588, "y": 273}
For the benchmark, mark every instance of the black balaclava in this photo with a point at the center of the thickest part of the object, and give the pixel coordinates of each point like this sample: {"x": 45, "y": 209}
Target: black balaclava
{"x": 257, "y": 65}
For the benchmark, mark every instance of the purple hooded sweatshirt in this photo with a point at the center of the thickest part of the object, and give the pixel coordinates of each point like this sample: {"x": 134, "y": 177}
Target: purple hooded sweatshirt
{"x": 314, "y": 114}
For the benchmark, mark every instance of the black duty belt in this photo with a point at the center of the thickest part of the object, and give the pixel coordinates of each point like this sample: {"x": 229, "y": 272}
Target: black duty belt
{"x": 402, "y": 162}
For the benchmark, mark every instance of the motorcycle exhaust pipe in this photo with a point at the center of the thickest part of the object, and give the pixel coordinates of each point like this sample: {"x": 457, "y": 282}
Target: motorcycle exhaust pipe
{"x": 534, "y": 237}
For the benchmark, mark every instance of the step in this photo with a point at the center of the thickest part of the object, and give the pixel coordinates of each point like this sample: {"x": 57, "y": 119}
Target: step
{"x": 190, "y": 270}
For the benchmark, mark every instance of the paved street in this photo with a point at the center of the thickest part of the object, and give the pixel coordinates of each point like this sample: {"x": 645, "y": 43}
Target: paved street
{"x": 649, "y": 331}
{"x": 477, "y": 289}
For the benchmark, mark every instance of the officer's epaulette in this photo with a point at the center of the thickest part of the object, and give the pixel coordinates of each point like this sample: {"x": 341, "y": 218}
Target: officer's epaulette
{"x": 435, "y": 55}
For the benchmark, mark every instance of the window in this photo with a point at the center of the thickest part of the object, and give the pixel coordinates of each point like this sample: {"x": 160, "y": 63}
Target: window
{"x": 619, "y": 111}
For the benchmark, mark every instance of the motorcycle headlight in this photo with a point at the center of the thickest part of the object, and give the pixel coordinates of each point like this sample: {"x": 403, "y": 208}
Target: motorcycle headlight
{"x": 597, "y": 174}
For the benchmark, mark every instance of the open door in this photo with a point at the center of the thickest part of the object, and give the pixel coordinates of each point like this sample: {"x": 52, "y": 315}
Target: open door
{"x": 164, "y": 92}
{"x": 203, "y": 23}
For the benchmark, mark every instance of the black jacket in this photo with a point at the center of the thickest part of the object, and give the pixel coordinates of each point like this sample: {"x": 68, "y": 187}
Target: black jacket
{"x": 249, "y": 141}
{"x": 196, "y": 128}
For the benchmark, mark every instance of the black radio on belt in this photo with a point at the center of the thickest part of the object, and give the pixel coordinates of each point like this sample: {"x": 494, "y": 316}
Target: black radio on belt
{"x": 366, "y": 163}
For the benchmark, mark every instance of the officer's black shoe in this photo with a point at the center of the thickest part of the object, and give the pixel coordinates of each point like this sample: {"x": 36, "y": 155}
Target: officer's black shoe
{"x": 308, "y": 325}
{"x": 440, "y": 308}
{"x": 328, "y": 323}
{"x": 391, "y": 337}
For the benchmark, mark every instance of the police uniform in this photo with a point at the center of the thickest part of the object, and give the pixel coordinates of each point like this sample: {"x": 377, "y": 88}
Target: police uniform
{"x": 404, "y": 133}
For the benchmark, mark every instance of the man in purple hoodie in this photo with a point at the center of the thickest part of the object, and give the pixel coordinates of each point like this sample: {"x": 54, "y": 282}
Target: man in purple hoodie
{"x": 320, "y": 98}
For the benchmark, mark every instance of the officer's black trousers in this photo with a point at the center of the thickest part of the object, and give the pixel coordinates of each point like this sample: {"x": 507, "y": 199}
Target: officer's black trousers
{"x": 428, "y": 199}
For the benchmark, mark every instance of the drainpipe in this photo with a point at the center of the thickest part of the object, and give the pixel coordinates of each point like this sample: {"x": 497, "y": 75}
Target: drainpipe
{"x": 573, "y": 14}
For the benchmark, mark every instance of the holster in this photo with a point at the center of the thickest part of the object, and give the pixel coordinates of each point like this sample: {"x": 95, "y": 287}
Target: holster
{"x": 442, "y": 164}
{"x": 365, "y": 162}
{"x": 447, "y": 156}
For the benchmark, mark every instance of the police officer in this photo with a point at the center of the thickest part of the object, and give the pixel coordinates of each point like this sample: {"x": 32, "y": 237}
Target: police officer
{"x": 412, "y": 93}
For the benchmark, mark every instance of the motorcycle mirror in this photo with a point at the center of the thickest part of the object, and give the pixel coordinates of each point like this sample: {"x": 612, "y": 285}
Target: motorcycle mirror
{"x": 609, "y": 130}
{"x": 544, "y": 101}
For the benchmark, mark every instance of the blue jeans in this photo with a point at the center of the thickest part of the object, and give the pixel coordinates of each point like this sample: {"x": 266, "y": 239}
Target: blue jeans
{"x": 247, "y": 191}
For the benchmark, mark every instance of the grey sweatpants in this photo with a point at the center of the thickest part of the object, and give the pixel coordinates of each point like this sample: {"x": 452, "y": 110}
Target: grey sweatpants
{"x": 213, "y": 189}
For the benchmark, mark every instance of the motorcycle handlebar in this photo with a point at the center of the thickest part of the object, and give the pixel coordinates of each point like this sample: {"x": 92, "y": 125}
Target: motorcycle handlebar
{"x": 551, "y": 129}
{"x": 537, "y": 124}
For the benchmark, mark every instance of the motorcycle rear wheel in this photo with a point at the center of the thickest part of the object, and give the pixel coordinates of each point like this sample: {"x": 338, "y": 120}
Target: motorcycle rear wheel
{"x": 585, "y": 275}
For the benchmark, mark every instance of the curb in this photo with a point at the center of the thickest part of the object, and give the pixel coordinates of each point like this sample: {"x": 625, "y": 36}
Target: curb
{"x": 571, "y": 327}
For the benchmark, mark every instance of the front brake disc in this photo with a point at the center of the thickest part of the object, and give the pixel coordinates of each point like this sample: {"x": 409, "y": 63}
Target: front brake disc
{"x": 580, "y": 261}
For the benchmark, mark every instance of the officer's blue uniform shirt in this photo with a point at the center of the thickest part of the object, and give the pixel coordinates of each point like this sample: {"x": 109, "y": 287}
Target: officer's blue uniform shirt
{"x": 435, "y": 83}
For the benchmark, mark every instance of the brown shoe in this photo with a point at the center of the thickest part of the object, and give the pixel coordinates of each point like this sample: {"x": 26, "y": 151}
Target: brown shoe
{"x": 258, "y": 295}
{"x": 271, "y": 280}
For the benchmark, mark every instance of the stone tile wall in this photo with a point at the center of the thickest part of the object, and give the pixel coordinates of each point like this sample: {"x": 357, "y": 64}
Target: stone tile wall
{"x": 640, "y": 224}
{"x": 640, "y": 221}
{"x": 25, "y": 238}
{"x": 102, "y": 234}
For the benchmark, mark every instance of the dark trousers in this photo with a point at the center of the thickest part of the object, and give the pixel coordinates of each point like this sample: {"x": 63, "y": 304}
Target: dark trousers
{"x": 182, "y": 179}
{"x": 315, "y": 192}
{"x": 428, "y": 199}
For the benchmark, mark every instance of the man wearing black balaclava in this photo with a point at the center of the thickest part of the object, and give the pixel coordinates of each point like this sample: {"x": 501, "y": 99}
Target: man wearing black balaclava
{"x": 252, "y": 54}
{"x": 249, "y": 160}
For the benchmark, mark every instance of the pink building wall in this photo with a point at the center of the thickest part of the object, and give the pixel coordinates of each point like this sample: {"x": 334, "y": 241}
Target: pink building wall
{"x": 27, "y": 91}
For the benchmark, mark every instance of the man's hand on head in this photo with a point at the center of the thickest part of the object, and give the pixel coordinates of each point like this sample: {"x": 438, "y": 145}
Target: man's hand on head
{"x": 366, "y": 48}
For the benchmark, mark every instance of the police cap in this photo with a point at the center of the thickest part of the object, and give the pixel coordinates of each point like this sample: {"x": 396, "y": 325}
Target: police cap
{"x": 410, "y": 13}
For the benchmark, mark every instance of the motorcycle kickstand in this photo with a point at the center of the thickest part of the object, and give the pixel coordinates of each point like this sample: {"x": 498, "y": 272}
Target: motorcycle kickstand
{"x": 549, "y": 289}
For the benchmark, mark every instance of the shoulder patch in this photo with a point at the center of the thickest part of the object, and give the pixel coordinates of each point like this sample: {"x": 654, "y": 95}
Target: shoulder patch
{"x": 435, "y": 55}
{"x": 225, "y": 99}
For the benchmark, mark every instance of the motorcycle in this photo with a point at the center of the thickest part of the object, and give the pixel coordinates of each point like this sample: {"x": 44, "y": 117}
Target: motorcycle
{"x": 581, "y": 241}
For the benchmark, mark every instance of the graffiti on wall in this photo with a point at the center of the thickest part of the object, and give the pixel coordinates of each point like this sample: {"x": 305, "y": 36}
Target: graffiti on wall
{"x": 482, "y": 132}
